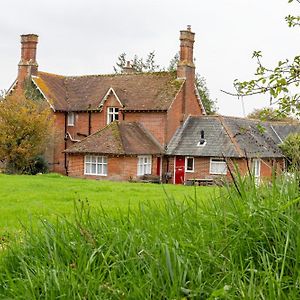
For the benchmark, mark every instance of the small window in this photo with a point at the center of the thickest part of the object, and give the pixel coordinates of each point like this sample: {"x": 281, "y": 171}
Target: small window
{"x": 144, "y": 165}
{"x": 112, "y": 114}
{"x": 71, "y": 119}
{"x": 95, "y": 165}
{"x": 189, "y": 164}
{"x": 256, "y": 167}
{"x": 218, "y": 166}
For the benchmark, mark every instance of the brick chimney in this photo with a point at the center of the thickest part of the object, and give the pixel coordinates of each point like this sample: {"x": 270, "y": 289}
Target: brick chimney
{"x": 186, "y": 67}
{"x": 186, "y": 70}
{"x": 128, "y": 68}
{"x": 27, "y": 65}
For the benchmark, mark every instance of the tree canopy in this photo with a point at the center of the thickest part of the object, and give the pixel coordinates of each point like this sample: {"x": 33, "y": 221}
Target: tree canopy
{"x": 291, "y": 149}
{"x": 280, "y": 83}
{"x": 269, "y": 114}
{"x": 25, "y": 126}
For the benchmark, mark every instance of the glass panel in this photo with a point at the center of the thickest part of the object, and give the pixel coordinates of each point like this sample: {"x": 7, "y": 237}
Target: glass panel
{"x": 104, "y": 169}
{"x": 93, "y": 169}
{"x": 190, "y": 164}
{"x": 87, "y": 168}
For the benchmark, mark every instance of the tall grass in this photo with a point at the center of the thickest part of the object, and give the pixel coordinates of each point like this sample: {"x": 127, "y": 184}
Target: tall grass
{"x": 242, "y": 245}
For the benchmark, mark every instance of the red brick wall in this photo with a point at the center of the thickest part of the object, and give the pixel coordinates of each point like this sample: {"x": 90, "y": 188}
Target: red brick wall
{"x": 155, "y": 122}
{"x": 119, "y": 168}
{"x": 59, "y": 143}
{"x": 174, "y": 116}
{"x": 202, "y": 168}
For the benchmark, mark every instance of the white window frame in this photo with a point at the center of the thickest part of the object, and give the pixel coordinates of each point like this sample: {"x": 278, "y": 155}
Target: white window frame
{"x": 112, "y": 114}
{"x": 71, "y": 118}
{"x": 96, "y": 161}
{"x": 256, "y": 167}
{"x": 144, "y": 165}
{"x": 186, "y": 164}
{"x": 217, "y": 161}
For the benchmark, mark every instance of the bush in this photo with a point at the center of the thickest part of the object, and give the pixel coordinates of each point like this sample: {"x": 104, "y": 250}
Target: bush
{"x": 244, "y": 244}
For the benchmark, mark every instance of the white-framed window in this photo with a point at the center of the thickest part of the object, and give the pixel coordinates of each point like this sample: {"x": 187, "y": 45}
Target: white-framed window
{"x": 95, "y": 165}
{"x": 189, "y": 164}
{"x": 218, "y": 166}
{"x": 112, "y": 114}
{"x": 256, "y": 167}
{"x": 144, "y": 165}
{"x": 71, "y": 118}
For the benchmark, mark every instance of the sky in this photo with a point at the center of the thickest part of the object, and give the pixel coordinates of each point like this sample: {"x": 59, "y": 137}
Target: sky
{"x": 86, "y": 37}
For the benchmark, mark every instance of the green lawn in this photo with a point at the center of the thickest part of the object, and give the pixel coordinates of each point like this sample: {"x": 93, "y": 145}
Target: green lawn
{"x": 25, "y": 198}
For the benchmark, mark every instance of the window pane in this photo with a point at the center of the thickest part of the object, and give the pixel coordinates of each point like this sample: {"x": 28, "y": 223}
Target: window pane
{"x": 190, "y": 163}
{"x": 87, "y": 168}
{"x": 93, "y": 169}
{"x": 104, "y": 169}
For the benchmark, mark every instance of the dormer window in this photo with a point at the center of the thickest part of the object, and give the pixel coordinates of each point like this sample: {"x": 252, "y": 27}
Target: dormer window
{"x": 112, "y": 114}
{"x": 202, "y": 141}
{"x": 71, "y": 118}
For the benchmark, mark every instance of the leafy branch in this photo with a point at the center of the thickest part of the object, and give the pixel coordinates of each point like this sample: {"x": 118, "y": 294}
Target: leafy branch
{"x": 280, "y": 82}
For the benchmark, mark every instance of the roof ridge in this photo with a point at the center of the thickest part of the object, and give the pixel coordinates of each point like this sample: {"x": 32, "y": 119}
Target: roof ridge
{"x": 229, "y": 133}
{"x": 109, "y": 74}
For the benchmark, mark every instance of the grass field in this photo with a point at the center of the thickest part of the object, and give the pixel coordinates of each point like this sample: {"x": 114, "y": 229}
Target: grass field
{"x": 242, "y": 243}
{"x": 28, "y": 198}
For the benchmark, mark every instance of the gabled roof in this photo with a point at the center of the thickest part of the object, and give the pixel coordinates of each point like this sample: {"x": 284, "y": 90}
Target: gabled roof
{"x": 230, "y": 137}
{"x": 119, "y": 138}
{"x": 137, "y": 91}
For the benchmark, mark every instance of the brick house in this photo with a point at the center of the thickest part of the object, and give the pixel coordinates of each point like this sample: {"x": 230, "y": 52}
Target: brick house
{"x": 205, "y": 147}
{"x": 124, "y": 126}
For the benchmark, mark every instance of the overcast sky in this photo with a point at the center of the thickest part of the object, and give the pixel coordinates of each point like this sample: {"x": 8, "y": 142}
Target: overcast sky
{"x": 86, "y": 37}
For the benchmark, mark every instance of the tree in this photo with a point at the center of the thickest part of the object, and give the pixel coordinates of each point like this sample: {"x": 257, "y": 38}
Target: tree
{"x": 149, "y": 65}
{"x": 270, "y": 114}
{"x": 138, "y": 63}
{"x": 291, "y": 149}
{"x": 25, "y": 126}
{"x": 278, "y": 82}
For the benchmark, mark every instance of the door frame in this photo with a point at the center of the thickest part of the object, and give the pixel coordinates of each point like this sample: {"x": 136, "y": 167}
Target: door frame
{"x": 174, "y": 180}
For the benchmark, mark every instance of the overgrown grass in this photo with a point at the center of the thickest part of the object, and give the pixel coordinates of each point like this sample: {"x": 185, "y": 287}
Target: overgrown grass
{"x": 242, "y": 245}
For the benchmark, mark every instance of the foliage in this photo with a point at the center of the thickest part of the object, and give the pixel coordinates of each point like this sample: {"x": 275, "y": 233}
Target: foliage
{"x": 291, "y": 149}
{"x": 208, "y": 103}
{"x": 138, "y": 63}
{"x": 270, "y": 114}
{"x": 25, "y": 126}
{"x": 243, "y": 245}
{"x": 280, "y": 82}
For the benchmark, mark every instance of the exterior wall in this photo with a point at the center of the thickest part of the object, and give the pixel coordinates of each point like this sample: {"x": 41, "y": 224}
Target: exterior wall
{"x": 174, "y": 115}
{"x": 118, "y": 168}
{"x": 202, "y": 168}
{"x": 155, "y": 122}
{"x": 58, "y": 162}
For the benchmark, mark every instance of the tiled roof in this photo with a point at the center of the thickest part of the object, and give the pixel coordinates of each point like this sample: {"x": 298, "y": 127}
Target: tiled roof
{"x": 119, "y": 138}
{"x": 137, "y": 91}
{"x": 230, "y": 137}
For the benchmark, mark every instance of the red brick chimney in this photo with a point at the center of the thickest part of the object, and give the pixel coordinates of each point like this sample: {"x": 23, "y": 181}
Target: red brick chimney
{"x": 186, "y": 67}
{"x": 28, "y": 65}
{"x": 186, "y": 70}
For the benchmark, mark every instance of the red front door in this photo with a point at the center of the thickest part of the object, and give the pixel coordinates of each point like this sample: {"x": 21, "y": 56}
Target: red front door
{"x": 179, "y": 169}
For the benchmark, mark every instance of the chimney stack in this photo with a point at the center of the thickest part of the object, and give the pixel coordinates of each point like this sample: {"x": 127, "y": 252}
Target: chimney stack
{"x": 186, "y": 67}
{"x": 28, "y": 65}
{"x": 128, "y": 68}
